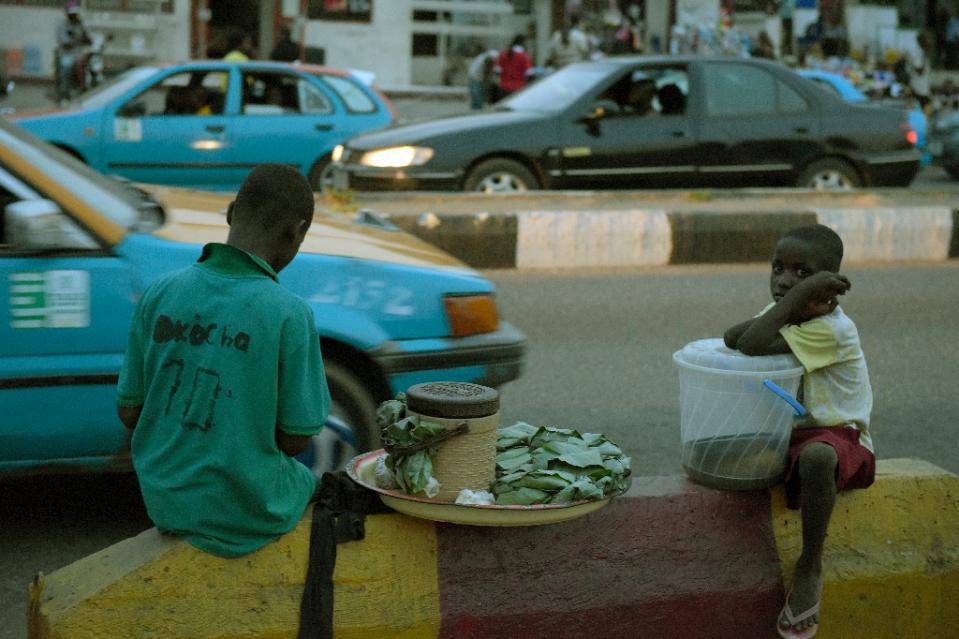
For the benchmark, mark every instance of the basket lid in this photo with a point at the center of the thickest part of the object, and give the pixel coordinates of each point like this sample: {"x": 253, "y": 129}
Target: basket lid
{"x": 713, "y": 353}
{"x": 452, "y": 399}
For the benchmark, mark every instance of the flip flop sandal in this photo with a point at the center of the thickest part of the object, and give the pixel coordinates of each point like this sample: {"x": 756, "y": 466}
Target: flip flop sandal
{"x": 790, "y": 632}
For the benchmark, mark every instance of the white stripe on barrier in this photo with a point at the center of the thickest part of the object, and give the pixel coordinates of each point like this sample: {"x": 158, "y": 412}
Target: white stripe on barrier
{"x": 886, "y": 234}
{"x": 560, "y": 239}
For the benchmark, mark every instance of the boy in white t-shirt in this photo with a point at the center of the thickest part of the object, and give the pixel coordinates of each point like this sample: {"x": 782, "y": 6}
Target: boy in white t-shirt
{"x": 831, "y": 449}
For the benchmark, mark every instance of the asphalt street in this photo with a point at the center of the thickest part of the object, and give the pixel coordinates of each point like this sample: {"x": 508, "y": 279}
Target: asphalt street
{"x": 600, "y": 347}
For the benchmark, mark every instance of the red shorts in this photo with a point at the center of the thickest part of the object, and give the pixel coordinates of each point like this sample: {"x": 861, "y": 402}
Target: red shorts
{"x": 856, "y": 467}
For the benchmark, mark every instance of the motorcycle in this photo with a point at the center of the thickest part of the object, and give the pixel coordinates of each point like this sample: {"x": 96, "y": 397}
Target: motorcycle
{"x": 93, "y": 72}
{"x": 87, "y": 69}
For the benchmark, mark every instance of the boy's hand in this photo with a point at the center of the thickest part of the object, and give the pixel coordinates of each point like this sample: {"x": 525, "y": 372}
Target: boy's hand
{"x": 818, "y": 309}
{"x": 817, "y": 294}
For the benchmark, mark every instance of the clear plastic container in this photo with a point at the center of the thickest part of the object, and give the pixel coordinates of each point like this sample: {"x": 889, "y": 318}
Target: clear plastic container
{"x": 735, "y": 431}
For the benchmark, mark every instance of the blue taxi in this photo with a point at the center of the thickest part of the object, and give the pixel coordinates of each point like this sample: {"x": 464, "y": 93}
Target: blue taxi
{"x": 206, "y": 124}
{"x": 77, "y": 249}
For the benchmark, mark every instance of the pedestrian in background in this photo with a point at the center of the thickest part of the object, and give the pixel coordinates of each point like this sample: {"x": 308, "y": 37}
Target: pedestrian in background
{"x": 285, "y": 49}
{"x": 919, "y": 71}
{"x": 951, "y": 41}
{"x": 240, "y": 48}
{"x": 72, "y": 36}
{"x": 567, "y": 45}
{"x": 513, "y": 64}
{"x": 223, "y": 380}
{"x": 764, "y": 47}
{"x": 481, "y": 78}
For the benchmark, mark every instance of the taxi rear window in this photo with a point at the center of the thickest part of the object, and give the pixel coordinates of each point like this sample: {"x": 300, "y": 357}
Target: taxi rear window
{"x": 352, "y": 95}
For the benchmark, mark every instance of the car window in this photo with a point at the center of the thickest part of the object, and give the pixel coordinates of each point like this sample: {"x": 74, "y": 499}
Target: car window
{"x": 121, "y": 202}
{"x": 647, "y": 92}
{"x": 269, "y": 94}
{"x": 281, "y": 93}
{"x": 739, "y": 89}
{"x": 825, "y": 84}
{"x": 789, "y": 100}
{"x": 353, "y": 96}
{"x": 558, "y": 91}
{"x": 312, "y": 99}
{"x": 115, "y": 87}
{"x": 198, "y": 92}
{"x": 12, "y": 191}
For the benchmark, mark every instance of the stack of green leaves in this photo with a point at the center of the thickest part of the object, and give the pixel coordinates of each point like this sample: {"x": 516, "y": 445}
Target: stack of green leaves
{"x": 545, "y": 465}
{"x": 413, "y": 471}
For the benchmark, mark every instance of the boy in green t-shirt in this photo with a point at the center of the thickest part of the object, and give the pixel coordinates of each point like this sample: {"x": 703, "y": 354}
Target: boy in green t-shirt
{"x": 223, "y": 380}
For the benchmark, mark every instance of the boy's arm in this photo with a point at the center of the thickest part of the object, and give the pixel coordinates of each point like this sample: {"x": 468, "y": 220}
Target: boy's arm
{"x": 810, "y": 298}
{"x": 291, "y": 445}
{"x": 129, "y": 415}
{"x": 761, "y": 335}
{"x": 733, "y": 333}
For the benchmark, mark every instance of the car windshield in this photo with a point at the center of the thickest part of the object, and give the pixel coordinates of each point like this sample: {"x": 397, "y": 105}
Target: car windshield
{"x": 559, "y": 90}
{"x": 117, "y": 200}
{"x": 101, "y": 95}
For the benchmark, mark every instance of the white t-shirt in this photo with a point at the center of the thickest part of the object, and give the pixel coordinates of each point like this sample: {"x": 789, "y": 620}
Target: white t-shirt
{"x": 918, "y": 72}
{"x": 576, "y": 48}
{"x": 475, "y": 70}
{"x": 836, "y": 388}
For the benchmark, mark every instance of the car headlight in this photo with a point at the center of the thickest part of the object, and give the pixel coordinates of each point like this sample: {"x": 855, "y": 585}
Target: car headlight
{"x": 337, "y": 153}
{"x": 397, "y": 157}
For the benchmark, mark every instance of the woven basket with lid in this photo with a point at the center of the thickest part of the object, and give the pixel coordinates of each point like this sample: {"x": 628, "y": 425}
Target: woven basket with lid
{"x": 467, "y": 460}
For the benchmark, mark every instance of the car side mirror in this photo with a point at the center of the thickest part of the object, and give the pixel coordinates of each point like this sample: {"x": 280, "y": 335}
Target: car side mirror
{"x": 593, "y": 118}
{"x": 132, "y": 110}
{"x": 597, "y": 114}
{"x": 37, "y": 225}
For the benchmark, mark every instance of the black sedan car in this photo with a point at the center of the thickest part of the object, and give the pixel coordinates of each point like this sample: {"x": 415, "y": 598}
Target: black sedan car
{"x": 638, "y": 122}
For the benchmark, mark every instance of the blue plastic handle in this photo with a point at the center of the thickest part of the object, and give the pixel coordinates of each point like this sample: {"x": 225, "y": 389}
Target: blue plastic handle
{"x": 786, "y": 397}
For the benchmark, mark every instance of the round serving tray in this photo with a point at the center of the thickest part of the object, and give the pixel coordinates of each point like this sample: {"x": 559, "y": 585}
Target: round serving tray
{"x": 360, "y": 469}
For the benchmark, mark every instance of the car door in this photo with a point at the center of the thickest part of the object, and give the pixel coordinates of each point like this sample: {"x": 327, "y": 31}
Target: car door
{"x": 628, "y": 137}
{"x": 756, "y": 127}
{"x": 177, "y": 131}
{"x": 65, "y": 311}
{"x": 284, "y": 117}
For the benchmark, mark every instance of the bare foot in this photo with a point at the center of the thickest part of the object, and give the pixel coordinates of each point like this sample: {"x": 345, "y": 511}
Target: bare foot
{"x": 806, "y": 590}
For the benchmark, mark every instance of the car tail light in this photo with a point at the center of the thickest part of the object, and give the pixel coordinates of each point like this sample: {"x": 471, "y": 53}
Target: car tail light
{"x": 471, "y": 314}
{"x": 911, "y": 136}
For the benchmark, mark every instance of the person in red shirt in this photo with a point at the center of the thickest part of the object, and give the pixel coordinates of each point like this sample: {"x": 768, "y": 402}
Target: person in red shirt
{"x": 513, "y": 64}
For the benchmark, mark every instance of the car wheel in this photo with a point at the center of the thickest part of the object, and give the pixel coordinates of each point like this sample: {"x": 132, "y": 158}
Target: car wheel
{"x": 500, "y": 175}
{"x": 321, "y": 175}
{"x": 830, "y": 174}
{"x": 351, "y": 427}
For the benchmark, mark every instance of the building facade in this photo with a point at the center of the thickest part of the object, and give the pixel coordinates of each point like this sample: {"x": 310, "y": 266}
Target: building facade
{"x": 403, "y": 42}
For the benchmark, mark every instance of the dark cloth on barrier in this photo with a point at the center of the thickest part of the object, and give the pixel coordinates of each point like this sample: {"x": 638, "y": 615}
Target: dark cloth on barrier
{"x": 339, "y": 515}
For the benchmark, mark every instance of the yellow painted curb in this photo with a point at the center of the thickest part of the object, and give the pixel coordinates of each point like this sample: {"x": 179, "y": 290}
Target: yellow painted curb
{"x": 891, "y": 560}
{"x": 156, "y": 586}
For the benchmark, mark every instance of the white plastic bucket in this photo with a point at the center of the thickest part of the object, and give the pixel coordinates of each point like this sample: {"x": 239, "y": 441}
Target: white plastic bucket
{"x": 735, "y": 431}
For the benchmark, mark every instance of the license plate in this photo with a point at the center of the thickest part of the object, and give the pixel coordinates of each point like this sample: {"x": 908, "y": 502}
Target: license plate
{"x": 935, "y": 148}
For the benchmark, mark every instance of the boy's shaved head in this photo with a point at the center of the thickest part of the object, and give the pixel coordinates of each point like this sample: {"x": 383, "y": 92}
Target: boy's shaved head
{"x": 826, "y": 242}
{"x": 273, "y": 194}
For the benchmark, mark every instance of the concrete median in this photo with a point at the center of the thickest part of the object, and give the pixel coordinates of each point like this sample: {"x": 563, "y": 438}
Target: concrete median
{"x": 569, "y": 230}
{"x": 670, "y": 559}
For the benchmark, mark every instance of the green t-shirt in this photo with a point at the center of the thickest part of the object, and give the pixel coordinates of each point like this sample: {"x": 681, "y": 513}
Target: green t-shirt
{"x": 219, "y": 356}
